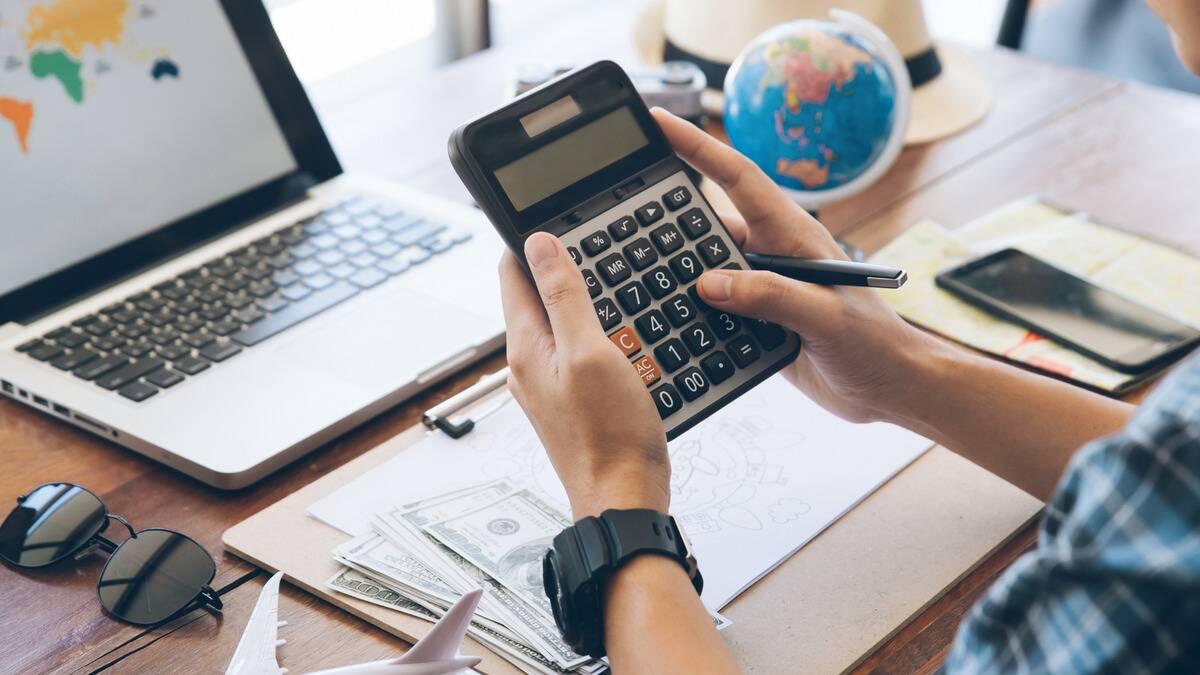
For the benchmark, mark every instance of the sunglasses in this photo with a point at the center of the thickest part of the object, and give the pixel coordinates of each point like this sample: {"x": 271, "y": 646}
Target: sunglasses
{"x": 153, "y": 576}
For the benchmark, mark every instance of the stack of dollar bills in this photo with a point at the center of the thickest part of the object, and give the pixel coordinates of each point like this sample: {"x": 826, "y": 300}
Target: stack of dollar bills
{"x": 418, "y": 558}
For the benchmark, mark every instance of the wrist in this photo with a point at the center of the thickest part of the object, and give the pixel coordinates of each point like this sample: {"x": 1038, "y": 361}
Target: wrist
{"x": 930, "y": 366}
{"x": 597, "y": 497}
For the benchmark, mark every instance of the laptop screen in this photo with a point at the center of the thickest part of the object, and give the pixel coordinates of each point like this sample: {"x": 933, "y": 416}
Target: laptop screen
{"x": 117, "y": 118}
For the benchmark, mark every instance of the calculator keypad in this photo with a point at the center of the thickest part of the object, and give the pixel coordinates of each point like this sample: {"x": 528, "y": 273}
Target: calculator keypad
{"x": 640, "y": 261}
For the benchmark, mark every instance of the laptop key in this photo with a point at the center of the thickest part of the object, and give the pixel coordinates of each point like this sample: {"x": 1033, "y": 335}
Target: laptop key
{"x": 368, "y": 277}
{"x": 417, "y": 233}
{"x": 107, "y": 343}
{"x": 45, "y": 352}
{"x": 248, "y": 314}
{"x": 137, "y": 391}
{"x": 96, "y": 368}
{"x": 130, "y": 372}
{"x": 164, "y": 377}
{"x": 295, "y": 313}
{"x": 173, "y": 352}
{"x": 191, "y": 365}
{"x": 224, "y": 328}
{"x": 74, "y": 359}
{"x": 198, "y": 340}
{"x": 219, "y": 351}
{"x": 71, "y": 339}
{"x": 272, "y": 303}
{"x": 29, "y": 346}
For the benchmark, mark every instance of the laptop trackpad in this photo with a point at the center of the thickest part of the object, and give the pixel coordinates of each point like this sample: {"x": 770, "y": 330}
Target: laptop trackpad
{"x": 388, "y": 338}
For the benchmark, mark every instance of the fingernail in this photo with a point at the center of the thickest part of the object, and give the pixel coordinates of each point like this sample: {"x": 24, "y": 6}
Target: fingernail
{"x": 717, "y": 285}
{"x": 539, "y": 248}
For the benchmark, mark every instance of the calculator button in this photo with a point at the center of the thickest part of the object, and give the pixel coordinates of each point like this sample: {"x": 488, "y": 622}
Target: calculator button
{"x": 633, "y": 297}
{"x": 686, "y": 267}
{"x": 595, "y": 242}
{"x": 693, "y": 292}
{"x": 680, "y": 310}
{"x": 626, "y": 341}
{"x": 769, "y": 335}
{"x": 694, "y": 223}
{"x": 692, "y": 383}
{"x": 623, "y": 228}
{"x": 672, "y": 355}
{"x": 732, "y": 266}
{"x": 593, "y": 283}
{"x": 667, "y": 238}
{"x": 667, "y": 400}
{"x": 641, "y": 254}
{"x": 607, "y": 312}
{"x": 660, "y": 282}
{"x": 649, "y": 213}
{"x": 717, "y": 366}
{"x": 743, "y": 351}
{"x": 699, "y": 338}
{"x": 652, "y": 326}
{"x": 647, "y": 370}
{"x": 575, "y": 255}
{"x": 724, "y": 324}
{"x": 677, "y": 199}
{"x": 614, "y": 269}
{"x": 714, "y": 251}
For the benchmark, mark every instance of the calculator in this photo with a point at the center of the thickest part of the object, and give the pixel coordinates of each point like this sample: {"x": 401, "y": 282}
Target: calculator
{"x": 581, "y": 157}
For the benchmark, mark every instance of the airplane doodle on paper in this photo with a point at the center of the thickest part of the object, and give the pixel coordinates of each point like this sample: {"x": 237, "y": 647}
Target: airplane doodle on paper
{"x": 722, "y": 473}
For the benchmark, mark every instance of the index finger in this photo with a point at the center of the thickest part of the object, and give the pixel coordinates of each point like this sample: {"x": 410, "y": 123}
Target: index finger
{"x": 755, "y": 195}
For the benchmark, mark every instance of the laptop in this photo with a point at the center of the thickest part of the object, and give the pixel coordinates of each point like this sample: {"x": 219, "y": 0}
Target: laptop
{"x": 184, "y": 268}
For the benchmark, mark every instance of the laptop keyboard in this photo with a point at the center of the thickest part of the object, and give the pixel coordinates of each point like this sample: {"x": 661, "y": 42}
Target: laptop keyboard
{"x": 158, "y": 338}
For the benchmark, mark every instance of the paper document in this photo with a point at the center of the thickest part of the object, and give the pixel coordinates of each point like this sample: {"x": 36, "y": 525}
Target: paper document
{"x": 750, "y": 485}
{"x": 1147, "y": 272}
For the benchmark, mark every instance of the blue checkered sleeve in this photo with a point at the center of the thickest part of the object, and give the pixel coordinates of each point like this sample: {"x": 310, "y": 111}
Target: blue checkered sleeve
{"x": 1114, "y": 583}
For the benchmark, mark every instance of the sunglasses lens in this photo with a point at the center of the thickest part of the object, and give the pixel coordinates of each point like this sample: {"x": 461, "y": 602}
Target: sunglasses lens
{"x": 154, "y": 575}
{"x": 48, "y": 525}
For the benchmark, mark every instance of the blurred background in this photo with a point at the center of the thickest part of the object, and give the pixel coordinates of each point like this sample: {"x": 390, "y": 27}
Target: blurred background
{"x": 325, "y": 37}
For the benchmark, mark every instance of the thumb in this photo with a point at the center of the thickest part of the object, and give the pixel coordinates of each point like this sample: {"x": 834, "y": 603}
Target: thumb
{"x": 768, "y": 296}
{"x": 562, "y": 289}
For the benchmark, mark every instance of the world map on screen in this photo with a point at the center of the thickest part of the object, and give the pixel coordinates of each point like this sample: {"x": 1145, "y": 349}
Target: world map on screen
{"x": 74, "y": 43}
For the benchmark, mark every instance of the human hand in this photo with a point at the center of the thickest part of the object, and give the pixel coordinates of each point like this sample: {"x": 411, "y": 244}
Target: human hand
{"x": 858, "y": 355}
{"x": 587, "y": 404}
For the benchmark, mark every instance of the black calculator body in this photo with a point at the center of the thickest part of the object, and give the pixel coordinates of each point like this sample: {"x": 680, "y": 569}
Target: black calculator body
{"x": 582, "y": 158}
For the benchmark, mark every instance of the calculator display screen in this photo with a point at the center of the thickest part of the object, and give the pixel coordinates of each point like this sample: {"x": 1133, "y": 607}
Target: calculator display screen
{"x": 571, "y": 158}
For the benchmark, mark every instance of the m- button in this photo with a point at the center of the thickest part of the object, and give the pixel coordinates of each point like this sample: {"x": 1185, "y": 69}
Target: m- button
{"x": 626, "y": 341}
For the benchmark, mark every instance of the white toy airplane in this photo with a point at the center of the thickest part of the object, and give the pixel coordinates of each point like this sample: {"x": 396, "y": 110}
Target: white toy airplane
{"x": 434, "y": 654}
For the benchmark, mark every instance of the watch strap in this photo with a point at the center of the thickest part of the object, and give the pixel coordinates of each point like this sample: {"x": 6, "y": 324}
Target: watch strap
{"x": 632, "y": 532}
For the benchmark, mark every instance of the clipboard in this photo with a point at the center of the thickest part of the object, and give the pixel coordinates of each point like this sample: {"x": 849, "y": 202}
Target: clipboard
{"x": 823, "y": 610}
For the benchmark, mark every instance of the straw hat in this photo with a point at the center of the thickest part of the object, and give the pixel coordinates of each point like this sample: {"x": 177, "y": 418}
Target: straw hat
{"x": 949, "y": 92}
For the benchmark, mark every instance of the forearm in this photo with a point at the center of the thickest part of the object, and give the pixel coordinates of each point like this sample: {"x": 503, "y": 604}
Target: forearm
{"x": 654, "y": 622}
{"x": 1020, "y": 426}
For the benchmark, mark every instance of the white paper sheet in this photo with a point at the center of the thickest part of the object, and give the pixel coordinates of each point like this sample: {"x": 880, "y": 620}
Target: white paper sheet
{"x": 750, "y": 485}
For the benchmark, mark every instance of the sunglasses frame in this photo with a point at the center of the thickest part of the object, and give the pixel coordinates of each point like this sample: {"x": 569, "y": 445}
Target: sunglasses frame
{"x": 207, "y": 597}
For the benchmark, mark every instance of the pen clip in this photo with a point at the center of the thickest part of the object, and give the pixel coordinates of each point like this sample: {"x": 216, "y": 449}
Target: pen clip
{"x": 439, "y": 416}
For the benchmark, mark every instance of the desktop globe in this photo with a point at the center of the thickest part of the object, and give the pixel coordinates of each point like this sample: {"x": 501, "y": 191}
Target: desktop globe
{"x": 820, "y": 106}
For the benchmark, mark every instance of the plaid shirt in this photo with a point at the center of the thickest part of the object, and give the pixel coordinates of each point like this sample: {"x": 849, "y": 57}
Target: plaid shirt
{"x": 1114, "y": 585}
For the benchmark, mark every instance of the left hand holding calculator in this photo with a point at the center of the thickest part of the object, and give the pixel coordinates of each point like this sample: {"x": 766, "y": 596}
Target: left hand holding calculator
{"x": 582, "y": 158}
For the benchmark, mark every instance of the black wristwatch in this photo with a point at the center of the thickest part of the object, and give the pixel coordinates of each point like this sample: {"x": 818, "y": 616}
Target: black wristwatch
{"x": 586, "y": 553}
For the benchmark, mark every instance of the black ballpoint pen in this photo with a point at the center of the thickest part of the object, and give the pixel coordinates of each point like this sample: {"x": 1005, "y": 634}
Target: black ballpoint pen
{"x": 829, "y": 272}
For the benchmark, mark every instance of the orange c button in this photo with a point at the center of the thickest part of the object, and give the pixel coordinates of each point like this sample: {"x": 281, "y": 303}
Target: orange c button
{"x": 626, "y": 341}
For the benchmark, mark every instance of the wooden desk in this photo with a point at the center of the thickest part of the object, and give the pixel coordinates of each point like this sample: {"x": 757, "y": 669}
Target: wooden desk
{"x": 1122, "y": 151}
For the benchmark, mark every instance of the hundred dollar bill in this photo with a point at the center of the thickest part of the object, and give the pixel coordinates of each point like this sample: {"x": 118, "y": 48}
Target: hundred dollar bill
{"x": 374, "y": 552}
{"x": 359, "y": 585}
{"x": 534, "y": 624}
{"x": 507, "y": 539}
{"x": 355, "y": 584}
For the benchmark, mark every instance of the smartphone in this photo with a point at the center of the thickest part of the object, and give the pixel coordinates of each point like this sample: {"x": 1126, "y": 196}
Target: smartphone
{"x": 1114, "y": 330}
{"x": 581, "y": 157}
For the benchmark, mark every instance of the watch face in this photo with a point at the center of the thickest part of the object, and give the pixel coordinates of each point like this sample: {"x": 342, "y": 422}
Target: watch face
{"x": 555, "y": 592}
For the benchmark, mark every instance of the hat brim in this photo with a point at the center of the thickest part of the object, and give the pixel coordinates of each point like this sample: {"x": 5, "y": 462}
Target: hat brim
{"x": 953, "y": 101}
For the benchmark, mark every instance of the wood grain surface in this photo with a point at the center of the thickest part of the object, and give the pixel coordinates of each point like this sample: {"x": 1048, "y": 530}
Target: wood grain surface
{"x": 1124, "y": 152}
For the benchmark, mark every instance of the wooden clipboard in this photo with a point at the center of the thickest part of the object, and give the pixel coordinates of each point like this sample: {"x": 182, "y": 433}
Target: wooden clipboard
{"x": 821, "y": 611}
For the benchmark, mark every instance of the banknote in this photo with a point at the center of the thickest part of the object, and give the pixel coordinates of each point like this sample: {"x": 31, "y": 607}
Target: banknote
{"x": 356, "y": 584}
{"x": 373, "y": 551}
{"x": 507, "y": 540}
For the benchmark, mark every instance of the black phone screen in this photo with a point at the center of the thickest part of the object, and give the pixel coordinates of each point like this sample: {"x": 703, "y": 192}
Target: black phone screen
{"x": 1062, "y": 305}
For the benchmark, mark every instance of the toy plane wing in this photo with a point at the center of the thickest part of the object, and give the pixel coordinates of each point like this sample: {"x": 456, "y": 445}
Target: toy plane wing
{"x": 255, "y": 654}
{"x": 434, "y": 654}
